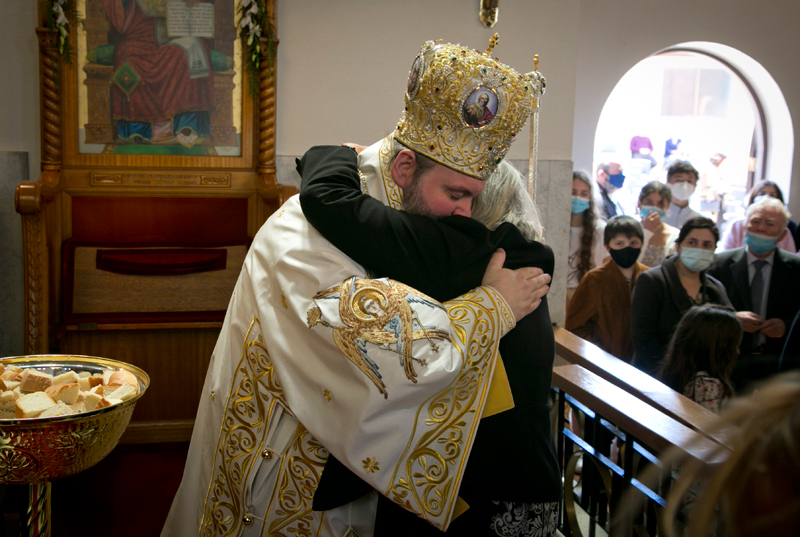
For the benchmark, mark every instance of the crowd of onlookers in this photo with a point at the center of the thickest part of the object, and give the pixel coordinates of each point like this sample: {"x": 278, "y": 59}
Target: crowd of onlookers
{"x": 709, "y": 315}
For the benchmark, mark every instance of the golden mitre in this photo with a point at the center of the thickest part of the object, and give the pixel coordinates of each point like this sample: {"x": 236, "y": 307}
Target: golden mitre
{"x": 464, "y": 108}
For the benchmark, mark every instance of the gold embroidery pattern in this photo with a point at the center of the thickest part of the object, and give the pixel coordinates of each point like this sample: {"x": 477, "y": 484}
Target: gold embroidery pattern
{"x": 500, "y": 304}
{"x": 280, "y": 213}
{"x": 426, "y": 479}
{"x": 327, "y": 395}
{"x": 255, "y": 391}
{"x": 371, "y": 465}
{"x": 393, "y": 193}
{"x": 364, "y": 187}
{"x": 367, "y": 307}
{"x": 283, "y": 302}
{"x": 289, "y": 512}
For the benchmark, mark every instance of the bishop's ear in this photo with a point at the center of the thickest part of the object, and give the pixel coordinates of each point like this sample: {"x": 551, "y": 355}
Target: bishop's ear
{"x": 403, "y": 168}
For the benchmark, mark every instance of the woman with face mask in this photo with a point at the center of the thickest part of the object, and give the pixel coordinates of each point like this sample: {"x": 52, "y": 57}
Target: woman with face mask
{"x": 659, "y": 237}
{"x": 662, "y": 295}
{"x": 737, "y": 230}
{"x": 586, "y": 251}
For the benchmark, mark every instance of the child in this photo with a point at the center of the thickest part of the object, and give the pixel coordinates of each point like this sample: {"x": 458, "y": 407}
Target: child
{"x": 701, "y": 355}
{"x": 600, "y": 310}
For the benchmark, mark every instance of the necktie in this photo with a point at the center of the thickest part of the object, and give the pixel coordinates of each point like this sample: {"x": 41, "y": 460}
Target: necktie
{"x": 757, "y": 286}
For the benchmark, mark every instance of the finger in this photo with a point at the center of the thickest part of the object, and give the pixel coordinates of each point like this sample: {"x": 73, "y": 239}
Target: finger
{"x": 540, "y": 292}
{"x": 533, "y": 272}
{"x": 497, "y": 260}
{"x": 540, "y": 281}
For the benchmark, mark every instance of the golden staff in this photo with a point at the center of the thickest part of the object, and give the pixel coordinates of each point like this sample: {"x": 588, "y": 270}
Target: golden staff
{"x": 539, "y": 84}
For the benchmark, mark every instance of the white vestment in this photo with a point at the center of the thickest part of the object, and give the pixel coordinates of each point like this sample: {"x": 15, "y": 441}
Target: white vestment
{"x": 310, "y": 357}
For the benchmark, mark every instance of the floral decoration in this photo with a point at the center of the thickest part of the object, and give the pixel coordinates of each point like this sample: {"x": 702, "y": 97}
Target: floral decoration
{"x": 59, "y": 13}
{"x": 255, "y": 23}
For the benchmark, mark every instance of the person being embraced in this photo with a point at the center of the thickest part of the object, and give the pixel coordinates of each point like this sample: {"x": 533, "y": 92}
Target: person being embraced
{"x": 664, "y": 294}
{"x": 586, "y": 248}
{"x": 701, "y": 355}
{"x": 601, "y": 308}
{"x": 737, "y": 230}
{"x": 659, "y": 237}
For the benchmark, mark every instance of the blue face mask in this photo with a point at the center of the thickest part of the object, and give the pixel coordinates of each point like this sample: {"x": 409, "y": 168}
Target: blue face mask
{"x": 617, "y": 179}
{"x": 644, "y": 211}
{"x": 760, "y": 244}
{"x": 696, "y": 259}
{"x": 579, "y": 205}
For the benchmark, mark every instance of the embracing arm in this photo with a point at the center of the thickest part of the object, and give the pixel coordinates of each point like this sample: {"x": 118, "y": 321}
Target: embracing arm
{"x": 440, "y": 257}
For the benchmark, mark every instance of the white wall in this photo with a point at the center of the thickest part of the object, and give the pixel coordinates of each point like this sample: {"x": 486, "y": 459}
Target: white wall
{"x": 343, "y": 66}
{"x": 19, "y": 82}
{"x": 615, "y": 34}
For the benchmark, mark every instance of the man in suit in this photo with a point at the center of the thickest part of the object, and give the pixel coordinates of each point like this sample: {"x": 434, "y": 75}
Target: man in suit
{"x": 609, "y": 179}
{"x": 763, "y": 284}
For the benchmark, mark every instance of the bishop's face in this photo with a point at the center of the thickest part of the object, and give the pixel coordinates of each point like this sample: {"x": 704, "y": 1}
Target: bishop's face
{"x": 442, "y": 192}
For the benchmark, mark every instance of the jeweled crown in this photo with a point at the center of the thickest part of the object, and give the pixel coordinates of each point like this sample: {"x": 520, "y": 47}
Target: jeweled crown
{"x": 464, "y": 108}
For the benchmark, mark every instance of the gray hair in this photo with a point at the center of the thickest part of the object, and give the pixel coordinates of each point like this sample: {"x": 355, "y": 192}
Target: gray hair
{"x": 772, "y": 203}
{"x": 505, "y": 199}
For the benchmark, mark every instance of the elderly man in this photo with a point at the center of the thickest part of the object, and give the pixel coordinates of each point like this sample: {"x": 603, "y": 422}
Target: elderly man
{"x": 763, "y": 284}
{"x": 609, "y": 179}
{"x": 682, "y": 182}
{"x": 306, "y": 365}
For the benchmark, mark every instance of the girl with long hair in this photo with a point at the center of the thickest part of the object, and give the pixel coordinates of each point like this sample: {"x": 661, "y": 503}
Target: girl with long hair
{"x": 586, "y": 250}
{"x": 701, "y": 354}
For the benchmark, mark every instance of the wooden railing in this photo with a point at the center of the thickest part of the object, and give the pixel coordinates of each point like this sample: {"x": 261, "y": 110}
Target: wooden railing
{"x": 623, "y": 375}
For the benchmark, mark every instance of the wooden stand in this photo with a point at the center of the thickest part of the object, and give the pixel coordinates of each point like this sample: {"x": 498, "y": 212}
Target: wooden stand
{"x": 158, "y": 187}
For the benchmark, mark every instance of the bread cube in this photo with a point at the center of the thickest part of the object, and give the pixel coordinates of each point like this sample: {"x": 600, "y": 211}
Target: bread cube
{"x": 32, "y": 404}
{"x": 68, "y": 393}
{"x": 90, "y": 400}
{"x": 66, "y": 378}
{"x": 35, "y": 381}
{"x": 59, "y": 409}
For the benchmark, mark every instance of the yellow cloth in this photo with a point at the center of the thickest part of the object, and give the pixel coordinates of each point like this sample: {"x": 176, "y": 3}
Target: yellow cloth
{"x": 499, "y": 398}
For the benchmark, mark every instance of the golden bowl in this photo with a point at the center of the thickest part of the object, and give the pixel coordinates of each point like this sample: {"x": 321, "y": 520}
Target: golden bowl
{"x": 35, "y": 450}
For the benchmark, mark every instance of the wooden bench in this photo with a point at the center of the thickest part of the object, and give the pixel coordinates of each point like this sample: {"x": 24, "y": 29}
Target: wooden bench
{"x": 623, "y": 375}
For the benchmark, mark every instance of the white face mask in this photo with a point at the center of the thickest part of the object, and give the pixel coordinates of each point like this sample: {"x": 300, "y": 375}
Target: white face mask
{"x": 682, "y": 191}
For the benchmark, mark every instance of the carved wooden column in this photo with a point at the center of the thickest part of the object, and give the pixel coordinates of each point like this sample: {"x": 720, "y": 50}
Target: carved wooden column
{"x": 266, "y": 114}
{"x": 28, "y": 202}
{"x": 50, "y": 103}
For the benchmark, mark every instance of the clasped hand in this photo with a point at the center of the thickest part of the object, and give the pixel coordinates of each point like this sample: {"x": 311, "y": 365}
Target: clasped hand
{"x": 752, "y": 322}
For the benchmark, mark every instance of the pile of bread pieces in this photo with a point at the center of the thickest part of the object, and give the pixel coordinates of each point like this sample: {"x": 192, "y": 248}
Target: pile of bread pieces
{"x": 29, "y": 393}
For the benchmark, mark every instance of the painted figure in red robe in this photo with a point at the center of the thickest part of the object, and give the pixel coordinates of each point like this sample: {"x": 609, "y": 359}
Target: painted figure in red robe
{"x": 162, "y": 87}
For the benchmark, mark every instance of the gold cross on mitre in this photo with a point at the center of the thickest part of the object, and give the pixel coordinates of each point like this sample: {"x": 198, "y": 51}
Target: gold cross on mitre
{"x": 492, "y": 44}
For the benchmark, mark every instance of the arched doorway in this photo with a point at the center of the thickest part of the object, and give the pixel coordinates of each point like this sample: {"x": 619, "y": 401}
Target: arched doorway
{"x": 716, "y": 101}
